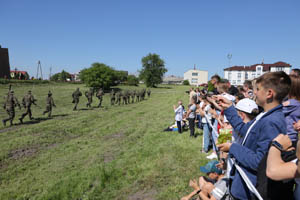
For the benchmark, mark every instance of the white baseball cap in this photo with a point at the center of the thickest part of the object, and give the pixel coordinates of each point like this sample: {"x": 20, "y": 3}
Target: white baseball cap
{"x": 246, "y": 105}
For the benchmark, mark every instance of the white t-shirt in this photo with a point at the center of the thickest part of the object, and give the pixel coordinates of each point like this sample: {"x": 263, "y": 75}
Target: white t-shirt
{"x": 208, "y": 114}
{"x": 178, "y": 113}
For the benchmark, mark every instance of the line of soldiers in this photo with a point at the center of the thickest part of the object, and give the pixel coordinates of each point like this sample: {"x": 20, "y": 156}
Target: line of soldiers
{"x": 128, "y": 96}
{"x": 116, "y": 98}
{"x": 11, "y": 102}
{"x": 89, "y": 95}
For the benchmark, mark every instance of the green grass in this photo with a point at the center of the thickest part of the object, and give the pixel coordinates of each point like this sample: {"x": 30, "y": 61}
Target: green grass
{"x": 115, "y": 152}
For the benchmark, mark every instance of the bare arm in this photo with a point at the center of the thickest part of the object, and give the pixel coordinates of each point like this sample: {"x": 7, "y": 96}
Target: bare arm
{"x": 277, "y": 169}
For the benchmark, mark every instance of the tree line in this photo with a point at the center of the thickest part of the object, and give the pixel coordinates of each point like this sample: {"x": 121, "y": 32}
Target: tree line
{"x": 100, "y": 75}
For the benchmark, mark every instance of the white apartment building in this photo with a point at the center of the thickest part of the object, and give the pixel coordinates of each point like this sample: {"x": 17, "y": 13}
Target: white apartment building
{"x": 196, "y": 77}
{"x": 238, "y": 74}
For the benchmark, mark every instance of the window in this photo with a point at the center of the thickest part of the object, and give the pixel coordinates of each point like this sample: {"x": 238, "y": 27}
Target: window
{"x": 233, "y": 82}
{"x": 239, "y": 75}
{"x": 238, "y": 81}
{"x": 229, "y": 75}
{"x": 194, "y": 74}
{"x": 258, "y": 68}
{"x": 194, "y": 80}
{"x": 246, "y": 76}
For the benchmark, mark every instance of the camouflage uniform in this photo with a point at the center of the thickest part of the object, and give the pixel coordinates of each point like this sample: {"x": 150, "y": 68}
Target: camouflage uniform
{"x": 89, "y": 96}
{"x": 112, "y": 97}
{"x": 76, "y": 96}
{"x": 149, "y": 92}
{"x": 118, "y": 98}
{"x": 132, "y": 96}
{"x": 9, "y": 105}
{"x": 49, "y": 104}
{"x": 27, "y": 101}
{"x": 137, "y": 96}
{"x": 99, "y": 95}
{"x": 124, "y": 97}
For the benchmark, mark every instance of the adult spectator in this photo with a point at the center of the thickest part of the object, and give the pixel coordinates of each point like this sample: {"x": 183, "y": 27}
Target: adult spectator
{"x": 191, "y": 114}
{"x": 192, "y": 94}
{"x": 295, "y": 72}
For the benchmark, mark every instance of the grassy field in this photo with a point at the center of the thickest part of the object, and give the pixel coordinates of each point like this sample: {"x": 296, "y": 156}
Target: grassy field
{"x": 117, "y": 152}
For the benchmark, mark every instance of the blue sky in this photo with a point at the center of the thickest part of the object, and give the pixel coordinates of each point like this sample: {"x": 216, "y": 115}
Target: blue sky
{"x": 72, "y": 34}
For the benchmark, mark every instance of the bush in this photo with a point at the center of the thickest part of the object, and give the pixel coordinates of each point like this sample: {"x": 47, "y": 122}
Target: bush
{"x": 186, "y": 82}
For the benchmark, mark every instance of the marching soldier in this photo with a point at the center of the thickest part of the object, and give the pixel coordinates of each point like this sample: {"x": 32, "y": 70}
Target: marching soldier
{"x": 76, "y": 95}
{"x": 149, "y": 92}
{"x": 99, "y": 95}
{"x": 112, "y": 97}
{"x": 49, "y": 104}
{"x": 124, "y": 97}
{"x": 137, "y": 96}
{"x": 89, "y": 96}
{"x": 132, "y": 96}
{"x": 118, "y": 98}
{"x": 9, "y": 105}
{"x": 27, "y": 101}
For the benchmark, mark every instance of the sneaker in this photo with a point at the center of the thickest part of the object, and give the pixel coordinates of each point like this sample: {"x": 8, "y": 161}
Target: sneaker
{"x": 212, "y": 156}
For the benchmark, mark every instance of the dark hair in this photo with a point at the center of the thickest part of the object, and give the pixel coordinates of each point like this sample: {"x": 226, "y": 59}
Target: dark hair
{"x": 280, "y": 82}
{"x": 240, "y": 88}
{"x": 297, "y": 71}
{"x": 240, "y": 96}
{"x": 217, "y": 77}
{"x": 251, "y": 115}
{"x": 248, "y": 84}
{"x": 295, "y": 87}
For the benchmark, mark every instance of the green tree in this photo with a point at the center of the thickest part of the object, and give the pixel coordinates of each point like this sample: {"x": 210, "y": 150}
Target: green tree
{"x": 62, "y": 76}
{"x": 98, "y": 75}
{"x": 186, "y": 82}
{"x": 153, "y": 70}
{"x": 121, "y": 76}
{"x": 132, "y": 80}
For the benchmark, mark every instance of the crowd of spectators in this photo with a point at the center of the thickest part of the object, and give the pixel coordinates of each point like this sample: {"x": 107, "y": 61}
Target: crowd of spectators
{"x": 252, "y": 132}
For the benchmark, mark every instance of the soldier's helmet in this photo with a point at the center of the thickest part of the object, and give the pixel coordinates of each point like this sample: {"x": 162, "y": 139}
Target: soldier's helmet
{"x": 29, "y": 91}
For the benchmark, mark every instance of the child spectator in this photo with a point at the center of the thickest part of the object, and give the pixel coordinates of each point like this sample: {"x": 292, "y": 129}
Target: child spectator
{"x": 291, "y": 109}
{"x": 214, "y": 186}
{"x": 178, "y": 115}
{"x": 280, "y": 171}
{"x": 247, "y": 109}
{"x": 247, "y": 87}
{"x": 271, "y": 89}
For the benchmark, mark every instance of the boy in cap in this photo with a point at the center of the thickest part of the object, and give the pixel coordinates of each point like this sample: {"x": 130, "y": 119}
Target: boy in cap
{"x": 214, "y": 187}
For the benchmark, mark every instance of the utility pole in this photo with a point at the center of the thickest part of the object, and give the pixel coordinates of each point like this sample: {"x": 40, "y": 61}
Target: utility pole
{"x": 39, "y": 69}
{"x": 229, "y": 56}
{"x": 50, "y": 74}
